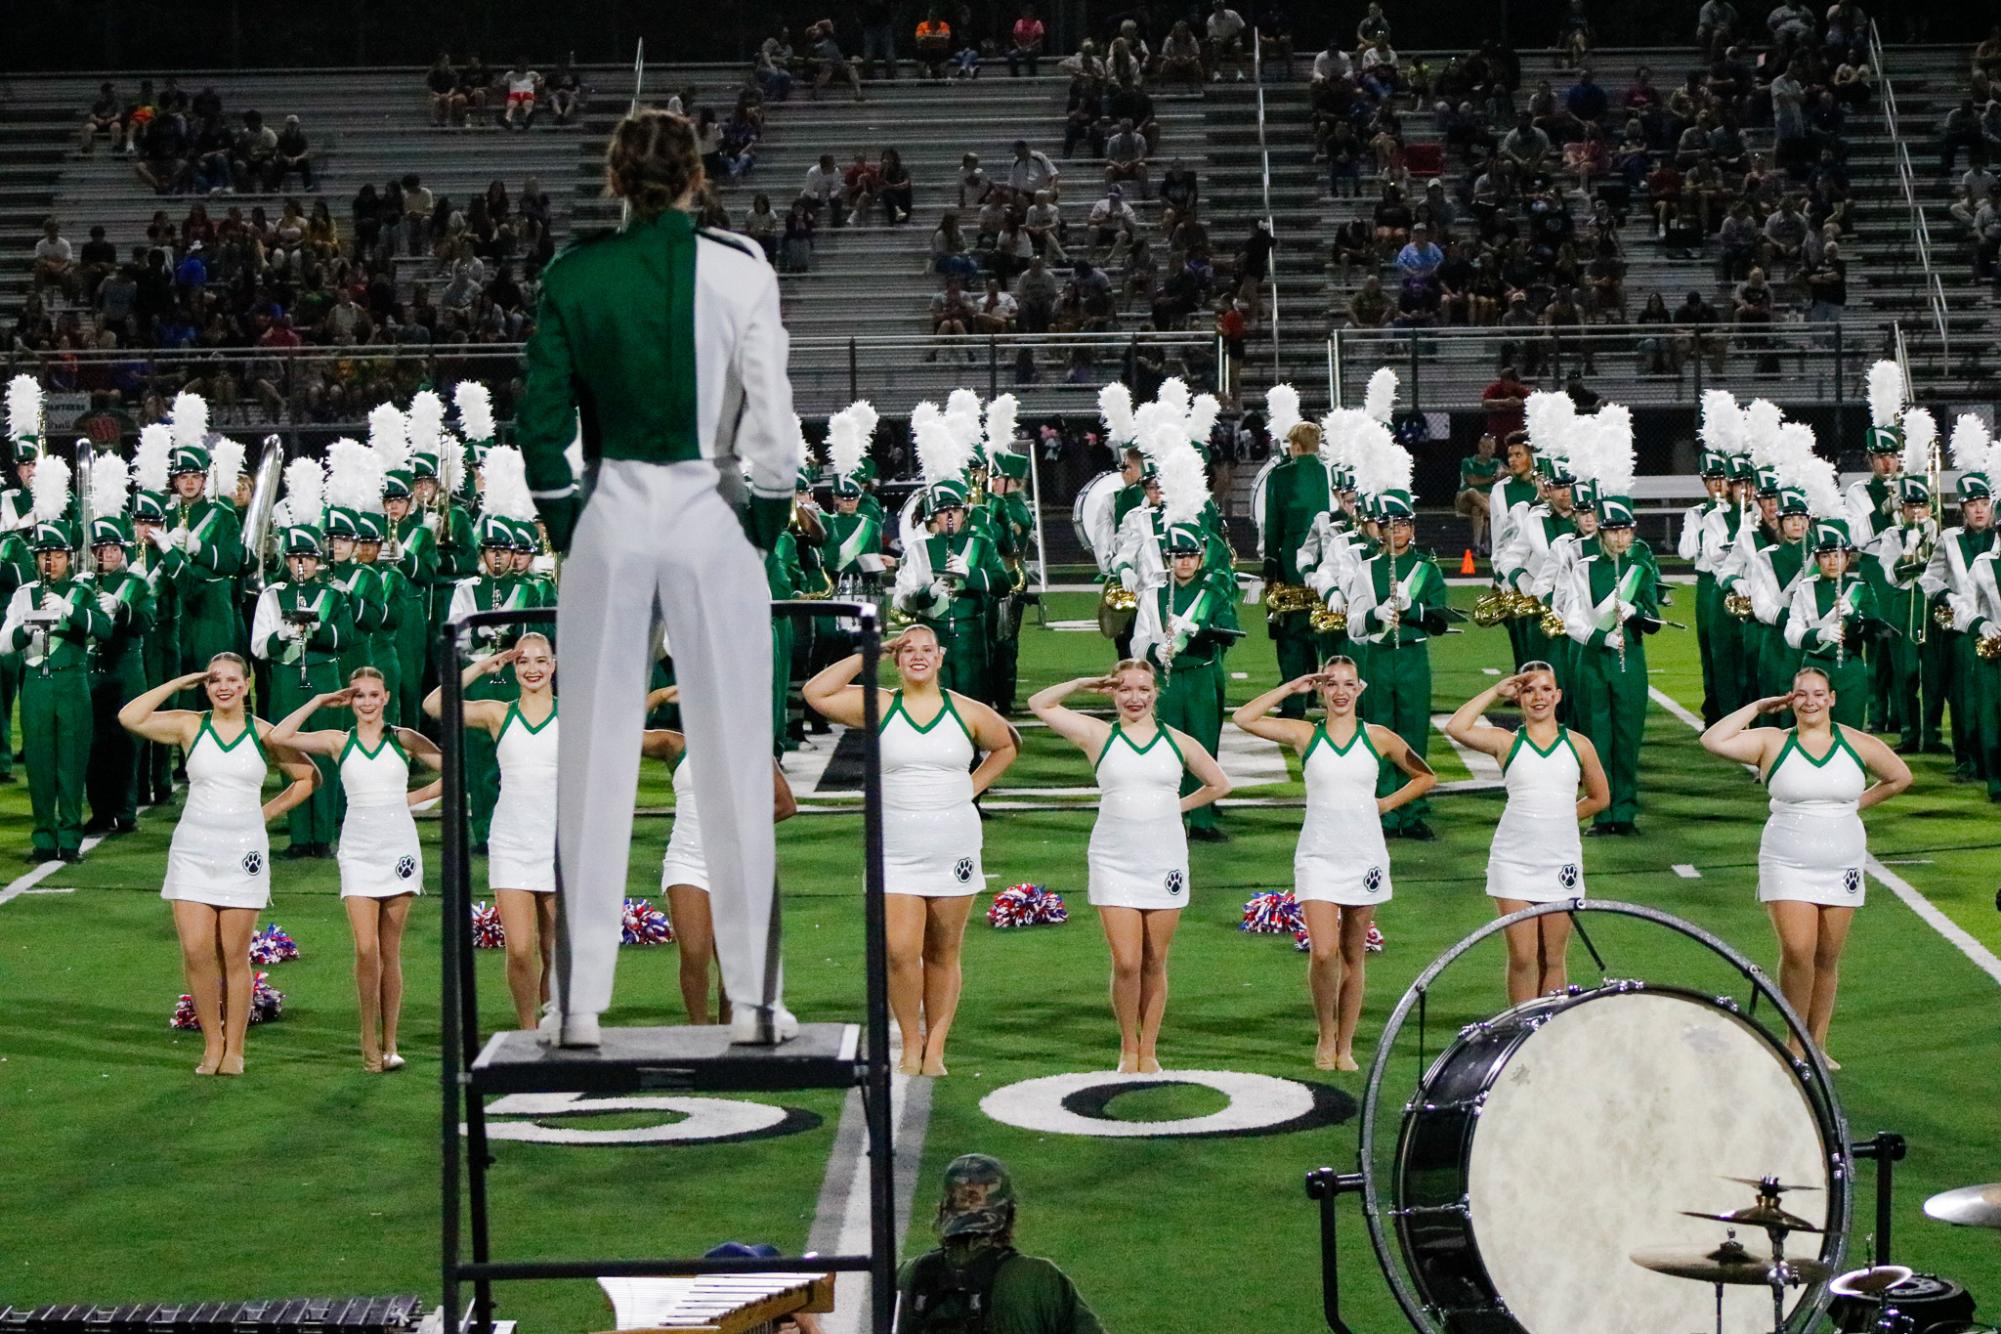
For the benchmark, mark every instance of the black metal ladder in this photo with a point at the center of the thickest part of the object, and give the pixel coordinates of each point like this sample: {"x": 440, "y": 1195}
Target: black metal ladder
{"x": 634, "y": 1059}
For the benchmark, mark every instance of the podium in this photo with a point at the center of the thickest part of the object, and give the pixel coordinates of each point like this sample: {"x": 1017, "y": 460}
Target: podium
{"x": 473, "y": 1069}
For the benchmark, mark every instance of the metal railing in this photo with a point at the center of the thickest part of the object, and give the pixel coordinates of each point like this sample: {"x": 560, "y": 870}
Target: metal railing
{"x": 1264, "y": 183}
{"x": 1907, "y": 181}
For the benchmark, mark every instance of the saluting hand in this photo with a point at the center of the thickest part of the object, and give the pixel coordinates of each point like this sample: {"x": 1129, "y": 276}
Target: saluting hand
{"x": 1777, "y": 703}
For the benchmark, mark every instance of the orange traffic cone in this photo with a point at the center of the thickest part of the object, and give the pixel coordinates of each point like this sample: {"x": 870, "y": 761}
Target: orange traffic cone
{"x": 1466, "y": 562}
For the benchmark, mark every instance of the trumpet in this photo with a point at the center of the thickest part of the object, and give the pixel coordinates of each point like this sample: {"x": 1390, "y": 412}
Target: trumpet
{"x": 1285, "y": 599}
{"x": 1117, "y": 597}
{"x": 1328, "y": 621}
{"x": 1551, "y": 623}
{"x": 1492, "y": 607}
{"x": 1738, "y": 605}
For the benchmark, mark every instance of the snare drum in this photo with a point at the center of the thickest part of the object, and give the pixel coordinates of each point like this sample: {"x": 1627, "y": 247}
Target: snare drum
{"x": 1545, "y": 1146}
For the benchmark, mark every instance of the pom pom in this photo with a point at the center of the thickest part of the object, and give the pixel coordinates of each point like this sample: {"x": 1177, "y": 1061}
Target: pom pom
{"x": 1886, "y": 393}
{"x": 475, "y": 406}
{"x": 1379, "y": 400}
{"x": 266, "y": 1001}
{"x": 1373, "y": 942}
{"x": 1272, "y": 914}
{"x": 644, "y": 924}
{"x": 154, "y": 455}
{"x": 487, "y": 933}
{"x": 24, "y": 407}
{"x": 1281, "y": 411}
{"x": 272, "y": 945}
{"x": 1027, "y": 905}
{"x": 190, "y": 418}
{"x": 184, "y": 1013}
{"x": 1115, "y": 406}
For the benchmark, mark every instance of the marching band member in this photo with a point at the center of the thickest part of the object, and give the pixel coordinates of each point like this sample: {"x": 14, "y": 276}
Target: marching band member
{"x": 303, "y": 624}
{"x": 521, "y": 847}
{"x": 1873, "y": 508}
{"x": 1978, "y": 618}
{"x": 946, "y": 578}
{"x": 1706, "y": 529}
{"x": 162, "y": 645}
{"x": 1612, "y": 604}
{"x": 1833, "y": 615}
{"x": 1811, "y": 856}
{"x": 354, "y": 486}
{"x": 1014, "y": 526}
{"x": 17, "y": 527}
{"x": 118, "y": 666}
{"x": 1948, "y": 579}
{"x": 1397, "y": 601}
{"x": 1775, "y": 570}
{"x": 381, "y": 861}
{"x": 1537, "y": 856}
{"x": 1901, "y": 553}
{"x": 1297, "y": 493}
{"x": 684, "y": 868}
{"x": 931, "y": 830}
{"x": 668, "y": 337}
{"x": 1334, "y": 547}
{"x": 1186, "y": 625}
{"x": 204, "y": 545}
{"x": 1138, "y": 855}
{"x": 53, "y": 623}
{"x": 219, "y": 864}
{"x": 1341, "y": 868}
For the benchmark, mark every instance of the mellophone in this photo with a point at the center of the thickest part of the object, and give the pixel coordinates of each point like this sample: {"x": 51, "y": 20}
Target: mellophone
{"x": 309, "y": 1315}
{"x": 715, "y": 1303}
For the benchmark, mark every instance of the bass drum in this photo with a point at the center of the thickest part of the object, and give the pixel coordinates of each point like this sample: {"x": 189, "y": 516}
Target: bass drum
{"x": 1545, "y": 1146}
{"x": 1932, "y": 1305}
{"x": 1091, "y": 517}
{"x": 1258, "y": 487}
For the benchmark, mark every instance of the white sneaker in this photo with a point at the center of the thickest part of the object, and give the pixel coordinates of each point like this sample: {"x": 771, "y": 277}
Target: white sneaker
{"x": 756, "y": 1026}
{"x": 567, "y": 1030}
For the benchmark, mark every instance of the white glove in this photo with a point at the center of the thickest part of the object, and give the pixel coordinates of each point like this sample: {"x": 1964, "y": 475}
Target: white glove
{"x": 956, "y": 564}
{"x": 430, "y": 522}
{"x": 1990, "y": 630}
{"x": 941, "y": 591}
{"x": 1179, "y": 626}
{"x": 1625, "y": 611}
{"x": 1128, "y": 580}
{"x": 161, "y": 539}
{"x": 1388, "y": 616}
{"x": 186, "y": 540}
{"x": 1615, "y": 640}
{"x": 108, "y": 603}
{"x": 1835, "y": 631}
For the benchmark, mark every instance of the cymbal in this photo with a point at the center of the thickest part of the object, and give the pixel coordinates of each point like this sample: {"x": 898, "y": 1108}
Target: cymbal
{"x": 1969, "y": 1206}
{"x": 1776, "y": 1188}
{"x": 1871, "y": 1282}
{"x": 1759, "y": 1215}
{"x": 1729, "y": 1263}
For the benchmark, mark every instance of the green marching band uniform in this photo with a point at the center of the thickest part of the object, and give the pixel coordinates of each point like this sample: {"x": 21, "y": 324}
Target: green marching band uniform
{"x": 361, "y": 586}
{"x": 303, "y": 629}
{"x": 1013, "y": 527}
{"x": 1611, "y": 605}
{"x": 1508, "y": 503}
{"x": 1396, "y": 602}
{"x": 494, "y": 588}
{"x": 785, "y": 578}
{"x": 118, "y": 674}
{"x": 1297, "y": 493}
{"x": 1191, "y": 626}
{"x": 947, "y": 583}
{"x": 1831, "y": 619}
{"x": 204, "y": 551}
{"x": 1914, "y": 649}
{"x": 851, "y": 553}
{"x": 1524, "y": 565}
{"x": 1950, "y": 582}
{"x": 1708, "y": 529}
{"x": 17, "y": 563}
{"x": 407, "y": 576}
{"x": 1974, "y": 600}
{"x": 161, "y": 649}
{"x": 393, "y": 595}
{"x": 1777, "y": 566}
{"x": 51, "y": 626}
{"x": 1872, "y": 512}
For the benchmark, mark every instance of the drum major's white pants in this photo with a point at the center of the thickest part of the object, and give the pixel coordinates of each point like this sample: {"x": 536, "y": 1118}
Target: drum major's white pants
{"x": 658, "y": 543}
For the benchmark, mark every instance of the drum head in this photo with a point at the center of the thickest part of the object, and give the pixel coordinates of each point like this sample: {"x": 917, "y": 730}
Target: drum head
{"x": 1091, "y": 516}
{"x": 1620, "y": 1111}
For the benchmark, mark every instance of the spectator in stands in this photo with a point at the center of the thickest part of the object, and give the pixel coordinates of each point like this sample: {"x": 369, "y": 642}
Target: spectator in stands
{"x": 1030, "y": 172}
{"x": 1605, "y": 280}
{"x": 1477, "y": 474}
{"x": 254, "y": 154}
{"x": 209, "y": 170}
{"x": 1179, "y": 188}
{"x": 829, "y": 65}
{"x": 291, "y": 154}
{"x": 95, "y": 260}
{"x": 823, "y": 190}
{"x": 103, "y": 118}
{"x": 475, "y": 83}
{"x": 796, "y": 247}
{"x": 951, "y": 314}
{"x": 1373, "y": 25}
{"x": 1027, "y": 38}
{"x": 1574, "y": 38}
{"x": 1715, "y": 25}
{"x": 1180, "y": 56}
{"x": 1827, "y": 285}
{"x": 973, "y": 183}
{"x": 322, "y": 236}
{"x": 893, "y": 188}
{"x": 1369, "y": 307}
{"x": 1526, "y": 148}
{"x": 948, "y": 248}
{"x": 1420, "y": 256}
{"x": 1586, "y": 99}
{"x": 1331, "y": 66}
{"x": 418, "y": 205}
{"x": 1790, "y": 23}
{"x": 163, "y": 156}
{"x": 138, "y": 116}
{"x": 1563, "y": 318}
{"x": 761, "y": 224}
{"x": 861, "y": 186}
{"x": 1590, "y": 157}
{"x": 772, "y": 70}
{"x": 1344, "y": 160}
{"x": 994, "y": 311}
{"x": 1785, "y": 234}
{"x": 1753, "y": 305}
{"x": 1125, "y": 157}
{"x": 1392, "y": 218}
{"x": 1036, "y": 293}
{"x": 1961, "y": 129}
{"x": 1703, "y": 193}
{"x": 878, "y": 23}
{"x": 1226, "y": 31}
{"x": 1110, "y": 219}
{"x": 1741, "y": 241}
{"x": 523, "y": 85}
{"x": 934, "y": 43}
{"x": 1043, "y": 222}
{"x": 1382, "y": 74}
{"x": 566, "y": 93}
{"x": 54, "y": 264}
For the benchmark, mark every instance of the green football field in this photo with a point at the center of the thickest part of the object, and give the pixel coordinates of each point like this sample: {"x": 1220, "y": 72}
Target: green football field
{"x": 126, "y": 1177}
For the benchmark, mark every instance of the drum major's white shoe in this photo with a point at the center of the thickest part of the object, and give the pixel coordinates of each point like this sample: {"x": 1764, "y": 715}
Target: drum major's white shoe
{"x": 567, "y": 1030}
{"x": 762, "y": 1026}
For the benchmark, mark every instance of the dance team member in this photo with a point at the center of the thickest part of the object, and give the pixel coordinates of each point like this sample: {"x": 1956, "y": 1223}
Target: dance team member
{"x": 1139, "y": 853}
{"x": 1341, "y": 868}
{"x": 219, "y": 863}
{"x": 931, "y": 836}
{"x": 381, "y": 862}
{"x": 1537, "y": 854}
{"x": 1812, "y": 854}
{"x": 521, "y": 848}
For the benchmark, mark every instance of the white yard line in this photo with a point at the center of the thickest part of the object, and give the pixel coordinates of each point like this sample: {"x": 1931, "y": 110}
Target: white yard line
{"x": 1486, "y": 770}
{"x": 1983, "y": 958}
{"x": 841, "y": 1221}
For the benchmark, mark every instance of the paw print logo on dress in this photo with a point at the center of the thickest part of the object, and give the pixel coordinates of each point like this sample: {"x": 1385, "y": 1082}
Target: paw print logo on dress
{"x": 1567, "y": 877}
{"x": 963, "y": 869}
{"x": 1175, "y": 882}
{"x": 1372, "y": 879}
{"x": 1851, "y": 879}
{"x": 253, "y": 863}
{"x": 406, "y": 867}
